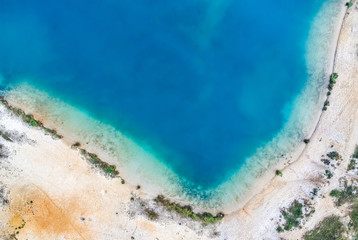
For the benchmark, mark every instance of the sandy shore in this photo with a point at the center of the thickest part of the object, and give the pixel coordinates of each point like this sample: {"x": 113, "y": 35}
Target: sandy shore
{"x": 49, "y": 191}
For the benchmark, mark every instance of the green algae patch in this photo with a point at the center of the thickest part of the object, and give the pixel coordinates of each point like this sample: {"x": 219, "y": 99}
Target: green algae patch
{"x": 186, "y": 211}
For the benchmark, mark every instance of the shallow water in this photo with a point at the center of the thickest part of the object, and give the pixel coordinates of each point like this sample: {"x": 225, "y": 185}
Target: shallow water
{"x": 200, "y": 84}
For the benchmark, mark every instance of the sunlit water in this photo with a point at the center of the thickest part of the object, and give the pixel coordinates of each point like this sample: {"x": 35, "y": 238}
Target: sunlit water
{"x": 198, "y": 85}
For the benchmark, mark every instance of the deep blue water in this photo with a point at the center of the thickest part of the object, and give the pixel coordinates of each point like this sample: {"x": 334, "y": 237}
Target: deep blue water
{"x": 203, "y": 83}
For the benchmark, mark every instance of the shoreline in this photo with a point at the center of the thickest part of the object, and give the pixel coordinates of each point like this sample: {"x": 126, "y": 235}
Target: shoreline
{"x": 305, "y": 170}
{"x": 231, "y": 206}
{"x": 41, "y": 171}
{"x": 298, "y": 151}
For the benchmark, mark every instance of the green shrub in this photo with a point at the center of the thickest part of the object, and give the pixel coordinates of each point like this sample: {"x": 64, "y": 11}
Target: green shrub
{"x": 292, "y": 215}
{"x": 326, "y": 161}
{"x": 34, "y": 123}
{"x": 351, "y": 165}
{"x": 335, "y": 193}
{"x": 331, "y": 228}
{"x": 348, "y": 194}
{"x": 355, "y": 154}
{"x": 75, "y": 145}
{"x": 27, "y": 118}
{"x": 333, "y": 155}
{"x": 278, "y": 173}
{"x": 354, "y": 217}
{"x": 349, "y": 4}
{"x": 151, "y": 214}
{"x": 314, "y": 192}
{"x": 329, "y": 174}
{"x": 334, "y": 76}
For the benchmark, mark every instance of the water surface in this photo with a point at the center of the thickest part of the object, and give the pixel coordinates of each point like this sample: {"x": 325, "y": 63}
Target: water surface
{"x": 200, "y": 83}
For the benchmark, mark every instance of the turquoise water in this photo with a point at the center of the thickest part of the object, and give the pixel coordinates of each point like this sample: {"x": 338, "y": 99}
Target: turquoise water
{"x": 200, "y": 84}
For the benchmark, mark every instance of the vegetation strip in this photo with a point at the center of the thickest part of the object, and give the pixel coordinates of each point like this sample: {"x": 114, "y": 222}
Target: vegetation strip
{"x": 332, "y": 81}
{"x": 107, "y": 168}
{"x": 186, "y": 211}
{"x": 28, "y": 118}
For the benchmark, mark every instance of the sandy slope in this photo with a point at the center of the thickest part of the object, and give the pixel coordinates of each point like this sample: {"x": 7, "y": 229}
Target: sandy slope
{"x": 58, "y": 195}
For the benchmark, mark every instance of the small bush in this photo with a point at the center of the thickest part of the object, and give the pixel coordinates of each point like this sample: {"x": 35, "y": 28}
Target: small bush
{"x": 349, "y": 4}
{"x": 34, "y": 123}
{"x": 329, "y": 174}
{"x": 314, "y": 192}
{"x": 151, "y": 214}
{"x": 326, "y": 161}
{"x": 354, "y": 217}
{"x": 355, "y": 154}
{"x": 75, "y": 145}
{"x": 334, "y": 76}
{"x": 27, "y": 117}
{"x": 348, "y": 194}
{"x": 326, "y": 103}
{"x": 292, "y": 215}
{"x": 335, "y": 193}
{"x": 351, "y": 165}
{"x": 278, "y": 173}
{"x": 333, "y": 155}
{"x": 330, "y": 228}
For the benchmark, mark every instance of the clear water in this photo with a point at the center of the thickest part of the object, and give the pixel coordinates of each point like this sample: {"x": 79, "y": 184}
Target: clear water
{"x": 200, "y": 83}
